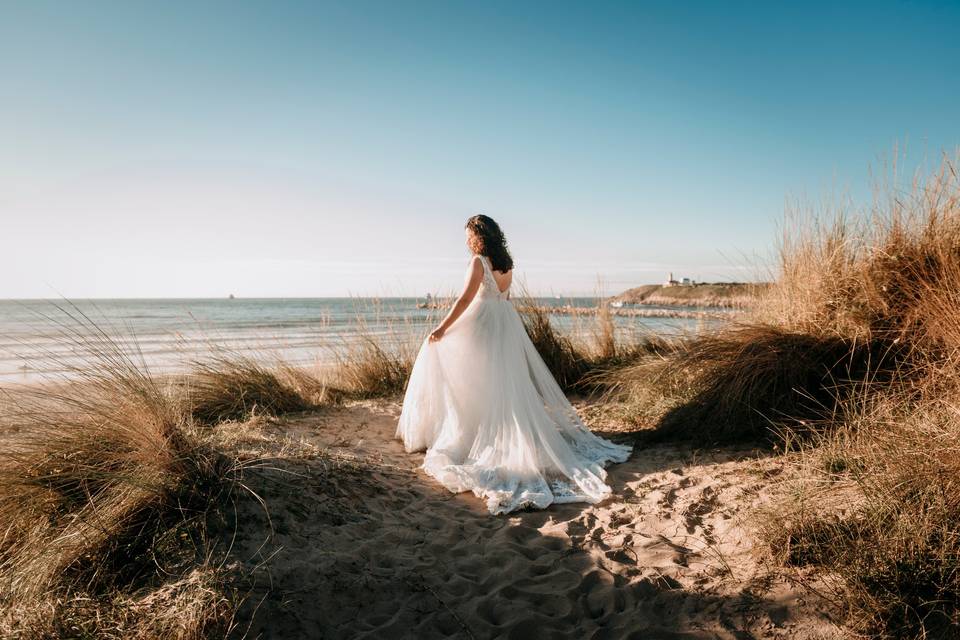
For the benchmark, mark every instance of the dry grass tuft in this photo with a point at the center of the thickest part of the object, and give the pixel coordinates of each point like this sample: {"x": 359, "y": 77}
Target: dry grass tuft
{"x": 104, "y": 494}
{"x": 604, "y": 333}
{"x": 192, "y": 607}
{"x": 748, "y": 381}
{"x": 230, "y": 386}
{"x": 871, "y": 304}
{"x": 859, "y": 302}
{"x": 375, "y": 364}
{"x": 310, "y": 385}
{"x": 877, "y": 506}
{"x": 639, "y": 391}
{"x": 864, "y": 276}
{"x": 371, "y": 369}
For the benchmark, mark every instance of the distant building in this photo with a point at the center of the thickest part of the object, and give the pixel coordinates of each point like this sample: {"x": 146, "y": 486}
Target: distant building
{"x": 683, "y": 282}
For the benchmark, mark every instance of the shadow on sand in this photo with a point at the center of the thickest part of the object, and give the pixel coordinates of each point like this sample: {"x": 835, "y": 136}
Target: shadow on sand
{"x": 375, "y": 549}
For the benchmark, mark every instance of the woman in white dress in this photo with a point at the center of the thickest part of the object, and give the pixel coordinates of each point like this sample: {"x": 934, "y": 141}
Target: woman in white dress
{"x": 486, "y": 409}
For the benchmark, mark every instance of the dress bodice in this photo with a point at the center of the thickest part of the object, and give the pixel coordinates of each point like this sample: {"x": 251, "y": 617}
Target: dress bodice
{"x": 488, "y": 286}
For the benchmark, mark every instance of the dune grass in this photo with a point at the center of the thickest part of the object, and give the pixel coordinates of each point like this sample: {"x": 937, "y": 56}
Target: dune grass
{"x": 373, "y": 367}
{"x": 231, "y": 386}
{"x": 746, "y": 382}
{"x": 105, "y": 491}
{"x": 875, "y": 505}
{"x": 860, "y": 302}
{"x": 850, "y": 364}
{"x": 228, "y": 385}
{"x": 375, "y": 359}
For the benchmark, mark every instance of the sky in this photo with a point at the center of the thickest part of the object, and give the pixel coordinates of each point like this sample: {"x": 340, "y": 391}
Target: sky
{"x": 299, "y": 149}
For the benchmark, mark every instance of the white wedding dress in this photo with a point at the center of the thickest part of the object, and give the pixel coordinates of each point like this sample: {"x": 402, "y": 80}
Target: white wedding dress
{"x": 492, "y": 419}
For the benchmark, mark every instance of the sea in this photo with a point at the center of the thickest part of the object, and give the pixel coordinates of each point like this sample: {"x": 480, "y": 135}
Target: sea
{"x": 45, "y": 338}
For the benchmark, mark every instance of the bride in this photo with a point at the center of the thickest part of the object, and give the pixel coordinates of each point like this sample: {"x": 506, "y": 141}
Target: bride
{"x": 486, "y": 409}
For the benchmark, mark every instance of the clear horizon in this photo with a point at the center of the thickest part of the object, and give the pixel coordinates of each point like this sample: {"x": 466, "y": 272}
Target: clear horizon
{"x": 299, "y": 149}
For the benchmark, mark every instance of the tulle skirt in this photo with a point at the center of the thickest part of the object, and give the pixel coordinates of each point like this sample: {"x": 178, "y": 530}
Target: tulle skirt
{"x": 492, "y": 419}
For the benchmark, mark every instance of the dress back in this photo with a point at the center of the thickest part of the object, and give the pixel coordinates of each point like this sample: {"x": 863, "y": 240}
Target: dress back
{"x": 488, "y": 286}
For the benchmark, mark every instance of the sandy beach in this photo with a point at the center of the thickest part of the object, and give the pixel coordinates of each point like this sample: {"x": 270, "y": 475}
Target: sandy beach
{"x": 243, "y": 241}
{"x": 352, "y": 540}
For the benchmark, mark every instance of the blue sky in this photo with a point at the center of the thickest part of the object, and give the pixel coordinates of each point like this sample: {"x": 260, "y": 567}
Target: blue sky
{"x": 312, "y": 149}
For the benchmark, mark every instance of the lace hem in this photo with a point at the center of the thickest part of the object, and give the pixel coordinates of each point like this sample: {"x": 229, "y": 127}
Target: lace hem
{"x": 504, "y": 492}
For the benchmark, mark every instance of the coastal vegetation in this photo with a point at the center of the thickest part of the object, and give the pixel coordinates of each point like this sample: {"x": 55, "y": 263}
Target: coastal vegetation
{"x": 116, "y": 498}
{"x": 848, "y": 365}
{"x": 876, "y": 505}
{"x": 107, "y": 487}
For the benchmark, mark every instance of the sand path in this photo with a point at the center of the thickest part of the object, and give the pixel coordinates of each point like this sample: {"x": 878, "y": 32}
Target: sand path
{"x": 376, "y": 549}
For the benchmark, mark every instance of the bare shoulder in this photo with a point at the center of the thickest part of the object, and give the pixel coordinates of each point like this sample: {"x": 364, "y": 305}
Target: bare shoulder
{"x": 476, "y": 264}
{"x": 476, "y": 267}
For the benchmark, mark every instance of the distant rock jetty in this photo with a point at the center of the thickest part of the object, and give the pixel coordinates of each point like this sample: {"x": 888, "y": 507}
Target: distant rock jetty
{"x": 639, "y": 312}
{"x": 699, "y": 300}
{"x": 622, "y": 311}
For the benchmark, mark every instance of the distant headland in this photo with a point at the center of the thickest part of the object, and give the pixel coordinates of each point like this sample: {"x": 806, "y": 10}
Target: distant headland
{"x": 729, "y": 295}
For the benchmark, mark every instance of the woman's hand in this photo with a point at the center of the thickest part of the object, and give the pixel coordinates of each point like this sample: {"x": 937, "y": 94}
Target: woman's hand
{"x": 436, "y": 334}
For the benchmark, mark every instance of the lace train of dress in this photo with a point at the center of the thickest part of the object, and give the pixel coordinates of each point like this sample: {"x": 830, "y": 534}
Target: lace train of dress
{"x": 493, "y": 420}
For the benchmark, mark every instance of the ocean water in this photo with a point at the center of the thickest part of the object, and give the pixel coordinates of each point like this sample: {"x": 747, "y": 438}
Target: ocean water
{"x": 38, "y": 338}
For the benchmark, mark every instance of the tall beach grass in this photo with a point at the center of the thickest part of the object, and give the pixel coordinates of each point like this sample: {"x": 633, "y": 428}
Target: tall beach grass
{"x": 849, "y": 364}
{"x": 105, "y": 490}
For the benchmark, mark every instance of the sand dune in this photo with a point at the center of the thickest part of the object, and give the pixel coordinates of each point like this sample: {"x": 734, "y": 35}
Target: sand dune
{"x": 363, "y": 545}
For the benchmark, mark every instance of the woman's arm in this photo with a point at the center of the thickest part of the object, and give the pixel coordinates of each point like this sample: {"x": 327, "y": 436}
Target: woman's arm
{"x": 470, "y": 288}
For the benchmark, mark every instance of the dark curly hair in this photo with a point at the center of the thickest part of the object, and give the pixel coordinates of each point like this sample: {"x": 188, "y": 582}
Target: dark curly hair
{"x": 488, "y": 240}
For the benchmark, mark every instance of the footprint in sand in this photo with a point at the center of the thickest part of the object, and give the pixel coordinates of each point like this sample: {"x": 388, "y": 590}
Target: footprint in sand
{"x": 376, "y": 550}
